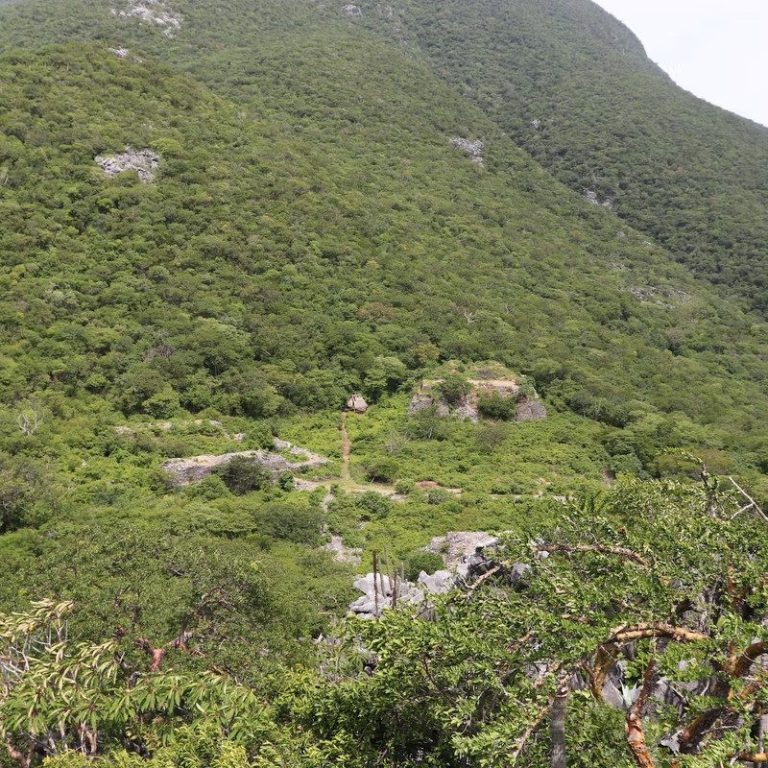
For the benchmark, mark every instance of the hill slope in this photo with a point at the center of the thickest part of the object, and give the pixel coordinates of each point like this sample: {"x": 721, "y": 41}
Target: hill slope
{"x": 573, "y": 86}
{"x": 317, "y": 212}
{"x": 563, "y": 78}
{"x": 293, "y": 249}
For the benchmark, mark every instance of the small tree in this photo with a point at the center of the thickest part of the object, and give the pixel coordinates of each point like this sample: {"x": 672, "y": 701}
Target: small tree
{"x": 454, "y": 388}
{"x": 243, "y": 475}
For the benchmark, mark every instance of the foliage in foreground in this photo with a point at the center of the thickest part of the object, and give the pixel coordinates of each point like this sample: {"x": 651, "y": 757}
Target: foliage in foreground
{"x": 636, "y": 636}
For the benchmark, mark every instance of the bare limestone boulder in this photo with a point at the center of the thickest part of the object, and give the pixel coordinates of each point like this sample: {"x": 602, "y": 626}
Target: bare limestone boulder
{"x": 152, "y": 12}
{"x": 458, "y": 548}
{"x": 357, "y": 404}
{"x": 473, "y": 148}
{"x": 143, "y": 162}
{"x": 343, "y": 554}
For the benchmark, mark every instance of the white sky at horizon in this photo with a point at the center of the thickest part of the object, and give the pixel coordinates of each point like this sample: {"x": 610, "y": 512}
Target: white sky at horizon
{"x": 717, "y": 49}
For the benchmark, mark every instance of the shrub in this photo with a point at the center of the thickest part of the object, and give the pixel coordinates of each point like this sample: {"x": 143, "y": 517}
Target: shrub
{"x": 301, "y": 525}
{"x": 382, "y": 471}
{"x": 493, "y": 406}
{"x": 438, "y": 496}
{"x": 490, "y": 437}
{"x": 427, "y": 425}
{"x": 454, "y": 388}
{"x": 286, "y": 482}
{"x": 373, "y": 505}
{"x": 405, "y": 486}
{"x": 243, "y": 475}
{"x": 162, "y": 405}
{"x": 611, "y": 412}
{"x": 420, "y": 560}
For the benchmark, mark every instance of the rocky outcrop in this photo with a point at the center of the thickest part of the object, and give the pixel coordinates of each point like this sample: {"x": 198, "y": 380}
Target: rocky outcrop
{"x": 352, "y": 10}
{"x": 357, "y": 404}
{"x": 143, "y": 162}
{"x": 468, "y": 555}
{"x": 473, "y": 148}
{"x": 152, "y": 12}
{"x": 342, "y": 553}
{"x": 185, "y": 471}
{"x": 461, "y": 550}
{"x": 592, "y": 197}
{"x": 528, "y": 408}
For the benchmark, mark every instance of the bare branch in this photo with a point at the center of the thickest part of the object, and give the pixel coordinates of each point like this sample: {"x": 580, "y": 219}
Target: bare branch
{"x": 751, "y": 503}
{"x": 599, "y": 548}
{"x": 535, "y": 724}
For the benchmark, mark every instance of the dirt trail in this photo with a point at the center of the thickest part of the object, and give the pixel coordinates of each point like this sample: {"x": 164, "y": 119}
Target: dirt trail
{"x": 345, "y": 481}
{"x": 346, "y": 450}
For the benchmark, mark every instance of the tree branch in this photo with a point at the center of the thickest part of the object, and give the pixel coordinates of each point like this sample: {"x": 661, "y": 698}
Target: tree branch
{"x": 740, "y": 664}
{"x": 659, "y": 629}
{"x": 541, "y": 716}
{"x": 634, "y": 722}
{"x": 599, "y": 548}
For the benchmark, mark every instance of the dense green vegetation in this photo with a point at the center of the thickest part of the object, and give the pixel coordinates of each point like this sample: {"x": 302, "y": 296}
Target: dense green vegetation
{"x": 665, "y": 579}
{"x": 574, "y": 87}
{"x": 311, "y": 232}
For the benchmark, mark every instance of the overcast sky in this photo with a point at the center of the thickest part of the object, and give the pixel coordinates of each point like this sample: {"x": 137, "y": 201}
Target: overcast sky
{"x": 717, "y": 49}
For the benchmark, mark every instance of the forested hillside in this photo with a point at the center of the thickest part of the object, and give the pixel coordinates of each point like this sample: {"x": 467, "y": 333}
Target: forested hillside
{"x": 220, "y": 221}
{"x": 573, "y": 86}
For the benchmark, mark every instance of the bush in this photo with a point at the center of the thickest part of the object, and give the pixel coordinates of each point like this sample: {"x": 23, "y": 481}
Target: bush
{"x": 493, "y": 406}
{"x": 438, "y": 496}
{"x": 301, "y": 525}
{"x": 420, "y": 560}
{"x": 405, "y": 486}
{"x": 490, "y": 437}
{"x": 611, "y": 412}
{"x": 163, "y": 404}
{"x": 427, "y": 425}
{"x": 373, "y": 505}
{"x": 454, "y": 388}
{"x": 212, "y": 487}
{"x": 243, "y": 475}
{"x": 382, "y": 471}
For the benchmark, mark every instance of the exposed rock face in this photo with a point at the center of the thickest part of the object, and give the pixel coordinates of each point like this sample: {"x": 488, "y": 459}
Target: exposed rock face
{"x": 439, "y": 583}
{"x": 420, "y": 402}
{"x": 121, "y": 53}
{"x": 143, "y": 161}
{"x": 152, "y": 12}
{"x": 352, "y": 10}
{"x": 185, "y": 471}
{"x": 343, "y": 554}
{"x": 471, "y": 147}
{"x": 428, "y": 395}
{"x": 310, "y": 459}
{"x": 357, "y": 404}
{"x": 467, "y": 556}
{"x": 591, "y": 196}
{"x": 530, "y": 410}
{"x": 381, "y": 593}
{"x": 458, "y": 548}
